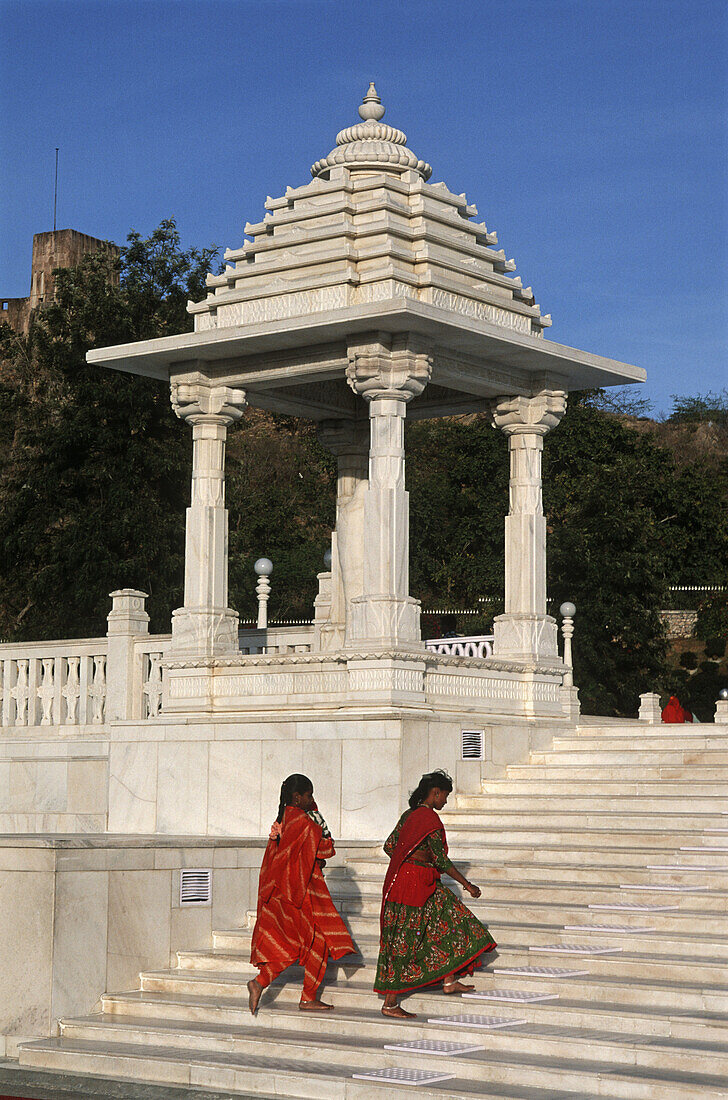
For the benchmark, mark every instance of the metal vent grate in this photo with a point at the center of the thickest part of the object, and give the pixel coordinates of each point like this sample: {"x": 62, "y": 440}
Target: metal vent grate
{"x": 195, "y": 886}
{"x": 473, "y": 744}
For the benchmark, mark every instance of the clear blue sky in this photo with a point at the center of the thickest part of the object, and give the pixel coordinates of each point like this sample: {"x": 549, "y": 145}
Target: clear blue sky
{"x": 591, "y": 134}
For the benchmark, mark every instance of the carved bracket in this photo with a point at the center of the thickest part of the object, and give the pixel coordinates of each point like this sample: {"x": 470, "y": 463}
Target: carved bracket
{"x": 199, "y": 397}
{"x": 397, "y": 367}
{"x": 529, "y": 415}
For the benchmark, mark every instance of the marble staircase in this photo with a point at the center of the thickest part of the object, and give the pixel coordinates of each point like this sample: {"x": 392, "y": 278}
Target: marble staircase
{"x": 604, "y": 869}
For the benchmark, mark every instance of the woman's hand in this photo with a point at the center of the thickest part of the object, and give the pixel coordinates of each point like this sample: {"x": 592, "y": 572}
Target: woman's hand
{"x": 472, "y": 889}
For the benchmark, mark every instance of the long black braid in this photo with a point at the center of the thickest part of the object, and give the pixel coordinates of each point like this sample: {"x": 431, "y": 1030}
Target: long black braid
{"x": 438, "y": 778}
{"x": 294, "y": 784}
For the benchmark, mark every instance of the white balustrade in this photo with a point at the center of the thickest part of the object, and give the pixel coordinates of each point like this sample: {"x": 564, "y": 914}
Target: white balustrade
{"x": 476, "y": 645}
{"x": 53, "y": 683}
{"x": 149, "y": 654}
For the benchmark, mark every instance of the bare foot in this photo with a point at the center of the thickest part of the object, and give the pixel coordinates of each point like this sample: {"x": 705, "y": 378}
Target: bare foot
{"x": 255, "y": 990}
{"x": 314, "y": 1006}
{"x": 457, "y": 987}
{"x": 398, "y": 1013}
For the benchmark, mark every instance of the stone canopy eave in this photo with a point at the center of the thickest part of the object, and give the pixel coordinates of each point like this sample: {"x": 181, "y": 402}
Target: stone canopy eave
{"x": 495, "y": 359}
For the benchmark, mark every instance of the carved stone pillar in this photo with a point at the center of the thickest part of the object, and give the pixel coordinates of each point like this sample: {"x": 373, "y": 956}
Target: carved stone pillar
{"x": 387, "y": 372}
{"x": 206, "y": 626}
{"x": 349, "y": 441}
{"x": 525, "y": 631}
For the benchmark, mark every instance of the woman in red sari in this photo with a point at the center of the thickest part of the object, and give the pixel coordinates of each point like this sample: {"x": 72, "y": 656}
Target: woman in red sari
{"x": 427, "y": 934}
{"x": 296, "y": 921}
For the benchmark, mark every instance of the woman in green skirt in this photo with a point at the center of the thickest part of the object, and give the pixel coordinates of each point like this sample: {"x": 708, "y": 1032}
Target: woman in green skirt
{"x": 427, "y": 934}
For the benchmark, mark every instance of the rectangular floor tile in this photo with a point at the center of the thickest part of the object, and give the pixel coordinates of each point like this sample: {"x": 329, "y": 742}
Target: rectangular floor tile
{"x": 435, "y": 1046}
{"x": 575, "y": 949}
{"x": 540, "y": 971}
{"x": 398, "y": 1075}
{"x": 488, "y": 1023}
{"x": 512, "y": 996}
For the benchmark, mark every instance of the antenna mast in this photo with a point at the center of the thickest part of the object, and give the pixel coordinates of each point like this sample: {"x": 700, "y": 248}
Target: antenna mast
{"x": 55, "y": 193}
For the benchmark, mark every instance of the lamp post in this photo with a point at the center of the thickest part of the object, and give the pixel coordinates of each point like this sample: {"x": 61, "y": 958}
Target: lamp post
{"x": 721, "y": 708}
{"x": 568, "y": 610}
{"x": 263, "y": 567}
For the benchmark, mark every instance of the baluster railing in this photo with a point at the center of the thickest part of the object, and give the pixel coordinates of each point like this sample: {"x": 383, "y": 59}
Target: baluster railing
{"x": 476, "y": 645}
{"x": 43, "y": 684}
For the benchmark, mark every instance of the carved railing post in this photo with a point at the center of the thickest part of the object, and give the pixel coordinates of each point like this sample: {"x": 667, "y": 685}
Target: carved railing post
{"x": 387, "y": 372}
{"x": 525, "y": 631}
{"x": 206, "y": 626}
{"x": 127, "y": 620}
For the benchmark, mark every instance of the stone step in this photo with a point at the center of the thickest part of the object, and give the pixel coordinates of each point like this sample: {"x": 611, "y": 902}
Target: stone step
{"x": 297, "y": 1078}
{"x": 627, "y": 773}
{"x": 641, "y": 937}
{"x": 494, "y": 910}
{"x": 621, "y": 802}
{"x": 602, "y": 865}
{"x": 638, "y": 731}
{"x": 703, "y": 903}
{"x": 640, "y": 962}
{"x": 548, "y": 851}
{"x": 702, "y": 761}
{"x": 329, "y": 1043}
{"x": 508, "y": 923}
{"x": 699, "y": 742}
{"x": 632, "y": 868}
{"x": 466, "y": 833}
{"x": 690, "y": 820}
{"x": 566, "y": 1010}
{"x": 557, "y": 786}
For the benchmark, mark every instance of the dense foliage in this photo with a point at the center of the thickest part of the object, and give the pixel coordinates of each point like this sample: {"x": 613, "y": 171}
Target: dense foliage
{"x": 94, "y": 476}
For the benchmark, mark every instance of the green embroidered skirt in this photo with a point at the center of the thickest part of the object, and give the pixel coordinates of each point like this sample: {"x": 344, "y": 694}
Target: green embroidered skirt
{"x": 422, "y": 944}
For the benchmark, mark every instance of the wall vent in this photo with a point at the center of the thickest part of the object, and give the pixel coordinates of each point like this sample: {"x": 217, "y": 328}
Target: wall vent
{"x": 195, "y": 886}
{"x": 473, "y": 744}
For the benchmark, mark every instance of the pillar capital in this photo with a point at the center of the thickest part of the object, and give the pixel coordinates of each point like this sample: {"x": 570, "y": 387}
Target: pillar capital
{"x": 344, "y": 437}
{"x": 383, "y": 366}
{"x": 529, "y": 415}
{"x": 199, "y": 400}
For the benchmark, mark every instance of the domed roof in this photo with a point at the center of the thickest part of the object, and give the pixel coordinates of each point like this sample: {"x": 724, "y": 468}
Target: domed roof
{"x": 371, "y": 146}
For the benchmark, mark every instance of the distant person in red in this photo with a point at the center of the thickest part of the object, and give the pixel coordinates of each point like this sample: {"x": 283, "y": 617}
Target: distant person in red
{"x": 296, "y": 921}
{"x": 675, "y": 712}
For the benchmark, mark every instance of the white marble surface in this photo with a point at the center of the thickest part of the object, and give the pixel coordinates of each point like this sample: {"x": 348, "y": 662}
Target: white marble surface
{"x": 26, "y": 951}
{"x": 80, "y": 925}
{"x": 139, "y": 925}
{"x": 182, "y": 787}
{"x": 87, "y": 786}
{"x": 133, "y": 787}
{"x": 370, "y": 786}
{"x": 234, "y": 791}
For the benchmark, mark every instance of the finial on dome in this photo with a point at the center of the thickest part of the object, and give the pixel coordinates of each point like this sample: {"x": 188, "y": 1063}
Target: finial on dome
{"x": 371, "y": 107}
{"x": 371, "y": 146}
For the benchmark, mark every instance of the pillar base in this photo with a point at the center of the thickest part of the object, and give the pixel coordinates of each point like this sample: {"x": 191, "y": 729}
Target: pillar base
{"x": 383, "y": 621}
{"x": 204, "y": 632}
{"x": 525, "y": 637}
{"x": 570, "y": 702}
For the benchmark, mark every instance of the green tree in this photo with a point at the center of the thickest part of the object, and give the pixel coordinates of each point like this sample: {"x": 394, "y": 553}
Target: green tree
{"x": 94, "y": 469}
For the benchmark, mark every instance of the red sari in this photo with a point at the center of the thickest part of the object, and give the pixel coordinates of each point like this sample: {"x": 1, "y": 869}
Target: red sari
{"x": 675, "y": 712}
{"x": 296, "y": 920}
{"x": 426, "y": 933}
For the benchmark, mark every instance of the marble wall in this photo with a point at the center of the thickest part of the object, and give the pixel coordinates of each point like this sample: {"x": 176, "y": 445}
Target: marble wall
{"x": 222, "y": 778}
{"x": 81, "y": 916}
{"x": 53, "y": 783}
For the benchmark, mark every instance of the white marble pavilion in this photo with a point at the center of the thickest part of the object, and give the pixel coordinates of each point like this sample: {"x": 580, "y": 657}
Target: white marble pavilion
{"x": 362, "y": 297}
